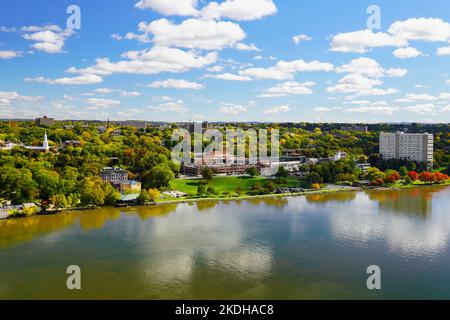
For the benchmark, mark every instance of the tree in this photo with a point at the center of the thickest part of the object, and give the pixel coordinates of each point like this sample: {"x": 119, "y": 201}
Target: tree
{"x": 154, "y": 195}
{"x": 207, "y": 173}
{"x": 413, "y": 175}
{"x": 159, "y": 176}
{"x": 48, "y": 181}
{"x": 17, "y": 185}
{"x": 315, "y": 186}
{"x": 92, "y": 192}
{"x": 252, "y": 171}
{"x": 144, "y": 197}
{"x": 282, "y": 172}
{"x": 201, "y": 190}
{"x": 403, "y": 172}
{"x": 112, "y": 195}
{"x": 427, "y": 177}
{"x": 314, "y": 177}
{"x": 59, "y": 201}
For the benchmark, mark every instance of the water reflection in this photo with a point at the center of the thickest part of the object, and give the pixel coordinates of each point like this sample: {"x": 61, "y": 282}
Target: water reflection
{"x": 295, "y": 247}
{"x": 404, "y": 220}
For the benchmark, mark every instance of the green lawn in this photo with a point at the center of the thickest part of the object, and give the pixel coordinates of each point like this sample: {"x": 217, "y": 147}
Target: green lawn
{"x": 222, "y": 184}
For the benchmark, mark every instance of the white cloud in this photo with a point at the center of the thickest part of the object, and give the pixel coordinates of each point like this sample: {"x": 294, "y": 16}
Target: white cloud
{"x": 406, "y": 53}
{"x": 194, "y": 33}
{"x": 241, "y": 10}
{"x": 443, "y": 51}
{"x": 9, "y": 54}
{"x": 421, "y": 108}
{"x": 49, "y": 39}
{"x": 288, "y": 88}
{"x": 216, "y": 69}
{"x": 360, "y": 41}
{"x": 78, "y": 80}
{"x": 9, "y": 97}
{"x": 232, "y": 109}
{"x": 447, "y": 82}
{"x": 229, "y": 77}
{"x": 247, "y": 47}
{"x": 151, "y": 61}
{"x": 173, "y": 106}
{"x": 370, "y": 68}
{"x": 129, "y": 94}
{"x": 413, "y": 97}
{"x": 170, "y": 7}
{"x": 277, "y": 110}
{"x": 285, "y": 70}
{"x": 301, "y": 37}
{"x": 373, "y": 109}
{"x": 399, "y": 34}
{"x": 95, "y": 103}
{"x": 424, "y": 29}
{"x": 360, "y": 86}
{"x": 322, "y": 109}
{"x": 177, "y": 84}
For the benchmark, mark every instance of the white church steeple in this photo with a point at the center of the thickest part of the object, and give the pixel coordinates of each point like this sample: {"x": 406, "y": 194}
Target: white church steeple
{"x": 45, "y": 145}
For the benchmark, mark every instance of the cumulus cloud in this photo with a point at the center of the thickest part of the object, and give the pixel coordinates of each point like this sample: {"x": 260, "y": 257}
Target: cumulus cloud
{"x": 399, "y": 34}
{"x": 247, "y": 47}
{"x": 9, "y": 54}
{"x": 285, "y": 70}
{"x": 277, "y": 110}
{"x": 373, "y": 109}
{"x": 172, "y": 106}
{"x": 300, "y": 38}
{"x": 414, "y": 97}
{"x": 359, "y": 85}
{"x": 194, "y": 33}
{"x": 96, "y": 103}
{"x": 170, "y": 7}
{"x": 229, "y": 77}
{"x": 176, "y": 83}
{"x": 406, "y": 53}
{"x": 49, "y": 39}
{"x": 151, "y": 61}
{"x": 421, "y": 108}
{"x": 288, "y": 88}
{"x": 370, "y": 68}
{"x": 232, "y": 109}
{"x": 9, "y": 97}
{"x": 78, "y": 80}
{"x": 241, "y": 10}
{"x": 443, "y": 51}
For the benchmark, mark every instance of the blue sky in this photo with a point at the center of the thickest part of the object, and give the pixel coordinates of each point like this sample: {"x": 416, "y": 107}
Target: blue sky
{"x": 231, "y": 60}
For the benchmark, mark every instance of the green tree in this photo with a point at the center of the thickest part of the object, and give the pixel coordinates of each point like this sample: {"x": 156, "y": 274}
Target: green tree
{"x": 154, "y": 194}
{"x": 17, "y": 185}
{"x": 92, "y": 192}
{"x": 158, "y": 177}
{"x": 144, "y": 197}
{"x": 252, "y": 171}
{"x": 403, "y": 172}
{"x": 207, "y": 173}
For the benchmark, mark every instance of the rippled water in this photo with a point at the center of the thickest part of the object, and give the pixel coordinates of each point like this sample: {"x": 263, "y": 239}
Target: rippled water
{"x": 317, "y": 246}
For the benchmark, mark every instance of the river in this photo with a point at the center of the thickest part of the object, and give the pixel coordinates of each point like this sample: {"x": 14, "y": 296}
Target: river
{"x": 310, "y": 247}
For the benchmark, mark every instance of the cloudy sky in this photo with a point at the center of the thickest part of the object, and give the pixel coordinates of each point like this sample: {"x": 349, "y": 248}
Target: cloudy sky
{"x": 246, "y": 60}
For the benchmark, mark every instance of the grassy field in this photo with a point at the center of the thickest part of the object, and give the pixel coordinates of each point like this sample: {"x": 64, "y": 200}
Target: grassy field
{"x": 228, "y": 184}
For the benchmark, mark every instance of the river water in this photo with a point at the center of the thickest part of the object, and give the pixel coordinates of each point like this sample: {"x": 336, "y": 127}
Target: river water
{"x": 313, "y": 247}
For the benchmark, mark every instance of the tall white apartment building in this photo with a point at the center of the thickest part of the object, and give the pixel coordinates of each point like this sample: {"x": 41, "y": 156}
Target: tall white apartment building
{"x": 412, "y": 146}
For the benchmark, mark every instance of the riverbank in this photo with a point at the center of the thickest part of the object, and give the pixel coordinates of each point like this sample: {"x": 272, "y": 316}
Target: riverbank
{"x": 342, "y": 189}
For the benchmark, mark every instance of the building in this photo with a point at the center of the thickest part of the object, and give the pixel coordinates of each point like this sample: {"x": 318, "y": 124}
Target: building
{"x": 412, "y": 146}
{"x": 45, "y": 121}
{"x": 128, "y": 186}
{"x": 355, "y": 128}
{"x": 44, "y": 148}
{"x": 113, "y": 175}
{"x": 340, "y": 155}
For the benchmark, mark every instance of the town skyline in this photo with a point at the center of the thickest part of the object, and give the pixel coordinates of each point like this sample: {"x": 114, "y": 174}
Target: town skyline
{"x": 180, "y": 61}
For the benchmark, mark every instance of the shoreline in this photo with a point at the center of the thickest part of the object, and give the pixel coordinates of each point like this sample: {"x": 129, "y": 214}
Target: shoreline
{"x": 246, "y": 197}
